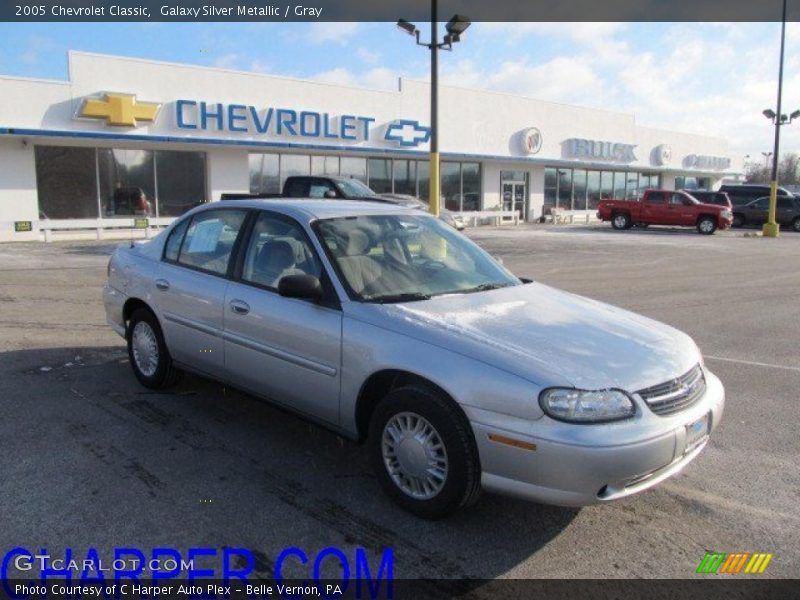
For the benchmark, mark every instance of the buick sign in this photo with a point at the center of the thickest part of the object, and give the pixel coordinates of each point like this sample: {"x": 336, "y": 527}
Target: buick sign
{"x": 531, "y": 140}
{"x": 662, "y": 155}
{"x": 599, "y": 150}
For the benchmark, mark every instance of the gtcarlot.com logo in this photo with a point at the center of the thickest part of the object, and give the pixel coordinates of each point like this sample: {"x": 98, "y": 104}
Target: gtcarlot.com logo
{"x": 737, "y": 562}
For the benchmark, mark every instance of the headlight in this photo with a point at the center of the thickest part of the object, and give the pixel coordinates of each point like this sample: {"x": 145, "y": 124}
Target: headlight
{"x": 582, "y": 406}
{"x": 727, "y": 214}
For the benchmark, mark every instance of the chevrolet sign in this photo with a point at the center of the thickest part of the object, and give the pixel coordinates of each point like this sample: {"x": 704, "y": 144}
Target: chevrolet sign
{"x": 599, "y": 150}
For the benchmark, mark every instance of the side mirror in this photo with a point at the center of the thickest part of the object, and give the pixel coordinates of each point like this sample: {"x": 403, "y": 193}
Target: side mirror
{"x": 330, "y": 194}
{"x": 300, "y": 286}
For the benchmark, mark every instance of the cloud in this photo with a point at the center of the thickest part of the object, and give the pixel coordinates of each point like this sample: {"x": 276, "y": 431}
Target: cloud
{"x": 368, "y": 56}
{"x": 34, "y": 47}
{"x": 227, "y": 61}
{"x": 339, "y": 33}
{"x": 377, "y": 78}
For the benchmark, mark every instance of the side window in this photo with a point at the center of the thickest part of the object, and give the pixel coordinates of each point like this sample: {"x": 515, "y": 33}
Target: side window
{"x": 297, "y": 188}
{"x": 209, "y": 240}
{"x": 762, "y": 203}
{"x": 278, "y": 247}
{"x": 319, "y": 187}
{"x": 656, "y": 198}
{"x": 785, "y": 203}
{"x": 677, "y": 199}
{"x": 174, "y": 240}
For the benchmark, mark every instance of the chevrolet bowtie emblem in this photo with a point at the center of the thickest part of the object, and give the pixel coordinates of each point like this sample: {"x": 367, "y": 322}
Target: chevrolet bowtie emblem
{"x": 408, "y": 133}
{"x": 121, "y": 110}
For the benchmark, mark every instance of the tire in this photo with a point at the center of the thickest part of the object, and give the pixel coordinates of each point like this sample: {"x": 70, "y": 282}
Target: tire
{"x": 147, "y": 351}
{"x": 707, "y": 225}
{"x": 796, "y": 224}
{"x": 416, "y": 408}
{"x": 621, "y": 221}
{"x": 738, "y": 220}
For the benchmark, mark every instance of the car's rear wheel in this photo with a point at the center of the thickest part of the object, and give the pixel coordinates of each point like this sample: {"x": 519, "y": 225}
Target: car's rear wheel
{"x": 738, "y": 220}
{"x": 621, "y": 221}
{"x": 796, "y": 224}
{"x": 147, "y": 351}
{"x": 707, "y": 225}
{"x": 423, "y": 453}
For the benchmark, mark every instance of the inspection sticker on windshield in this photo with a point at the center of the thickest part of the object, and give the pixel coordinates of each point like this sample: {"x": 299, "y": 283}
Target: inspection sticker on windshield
{"x": 696, "y": 432}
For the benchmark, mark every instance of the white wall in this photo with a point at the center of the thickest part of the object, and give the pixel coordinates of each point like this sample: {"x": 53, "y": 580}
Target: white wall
{"x": 18, "y": 200}
{"x": 227, "y": 171}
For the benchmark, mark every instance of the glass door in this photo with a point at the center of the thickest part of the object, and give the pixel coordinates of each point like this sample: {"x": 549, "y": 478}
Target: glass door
{"x": 514, "y": 193}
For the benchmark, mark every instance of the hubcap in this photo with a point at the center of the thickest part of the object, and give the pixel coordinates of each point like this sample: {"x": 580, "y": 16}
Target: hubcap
{"x": 619, "y": 221}
{"x": 706, "y": 226}
{"x": 414, "y": 455}
{"x": 145, "y": 348}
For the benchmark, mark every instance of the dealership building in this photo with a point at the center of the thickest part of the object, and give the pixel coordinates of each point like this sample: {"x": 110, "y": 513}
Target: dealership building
{"x": 129, "y": 143}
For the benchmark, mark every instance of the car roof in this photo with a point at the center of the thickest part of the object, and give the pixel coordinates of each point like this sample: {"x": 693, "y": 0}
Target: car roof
{"x": 311, "y": 209}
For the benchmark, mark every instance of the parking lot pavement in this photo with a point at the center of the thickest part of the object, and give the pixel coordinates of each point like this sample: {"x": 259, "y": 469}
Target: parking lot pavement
{"x": 93, "y": 459}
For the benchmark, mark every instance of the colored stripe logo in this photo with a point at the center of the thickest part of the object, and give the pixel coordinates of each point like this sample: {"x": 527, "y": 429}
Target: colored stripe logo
{"x": 733, "y": 563}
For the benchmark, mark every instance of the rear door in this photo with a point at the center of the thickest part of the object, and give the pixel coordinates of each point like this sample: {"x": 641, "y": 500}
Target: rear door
{"x": 654, "y": 208}
{"x": 785, "y": 210}
{"x": 288, "y": 349}
{"x": 191, "y": 284}
{"x": 757, "y": 212}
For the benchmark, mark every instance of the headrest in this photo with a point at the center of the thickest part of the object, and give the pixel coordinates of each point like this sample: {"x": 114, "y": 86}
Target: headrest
{"x": 357, "y": 243}
{"x": 275, "y": 255}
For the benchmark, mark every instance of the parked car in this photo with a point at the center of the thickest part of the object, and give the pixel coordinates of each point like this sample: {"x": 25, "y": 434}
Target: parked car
{"x": 388, "y": 327}
{"x": 453, "y": 219}
{"x": 705, "y": 197}
{"x": 129, "y": 201}
{"x": 787, "y": 212}
{"x": 741, "y": 194}
{"x": 665, "y": 207}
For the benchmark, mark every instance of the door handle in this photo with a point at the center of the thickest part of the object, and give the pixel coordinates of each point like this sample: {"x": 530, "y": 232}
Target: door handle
{"x": 240, "y": 307}
{"x": 162, "y": 284}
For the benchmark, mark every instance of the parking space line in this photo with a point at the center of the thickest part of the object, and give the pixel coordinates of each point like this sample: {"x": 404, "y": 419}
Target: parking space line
{"x": 754, "y": 364}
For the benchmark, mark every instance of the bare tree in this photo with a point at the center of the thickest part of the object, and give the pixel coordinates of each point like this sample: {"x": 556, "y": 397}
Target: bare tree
{"x": 788, "y": 171}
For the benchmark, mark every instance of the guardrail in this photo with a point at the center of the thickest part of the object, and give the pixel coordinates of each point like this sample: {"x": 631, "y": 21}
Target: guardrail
{"x": 101, "y": 225}
{"x": 500, "y": 217}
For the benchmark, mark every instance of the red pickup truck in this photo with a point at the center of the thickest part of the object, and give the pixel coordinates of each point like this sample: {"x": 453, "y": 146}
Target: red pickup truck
{"x": 665, "y": 207}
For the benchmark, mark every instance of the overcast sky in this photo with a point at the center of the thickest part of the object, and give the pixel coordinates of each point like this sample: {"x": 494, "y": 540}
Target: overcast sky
{"x": 712, "y": 78}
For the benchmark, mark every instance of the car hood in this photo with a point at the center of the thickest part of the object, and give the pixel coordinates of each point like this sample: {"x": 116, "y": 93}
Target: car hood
{"x": 545, "y": 335}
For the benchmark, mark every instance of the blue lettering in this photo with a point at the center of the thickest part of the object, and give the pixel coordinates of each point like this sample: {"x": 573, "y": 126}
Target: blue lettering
{"x": 326, "y": 127}
{"x": 261, "y": 127}
{"x": 340, "y": 556}
{"x": 234, "y": 117}
{"x": 205, "y": 115}
{"x": 363, "y": 574}
{"x": 346, "y": 121}
{"x": 304, "y": 119}
{"x": 179, "y": 106}
{"x": 279, "y": 565}
{"x": 139, "y": 562}
{"x": 7, "y": 560}
{"x": 366, "y": 121}
{"x": 286, "y": 118}
{"x": 228, "y": 572}
{"x": 194, "y": 573}
{"x": 86, "y": 574}
{"x": 48, "y": 571}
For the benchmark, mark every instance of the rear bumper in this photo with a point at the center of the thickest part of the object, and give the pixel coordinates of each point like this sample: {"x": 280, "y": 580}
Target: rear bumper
{"x": 564, "y": 472}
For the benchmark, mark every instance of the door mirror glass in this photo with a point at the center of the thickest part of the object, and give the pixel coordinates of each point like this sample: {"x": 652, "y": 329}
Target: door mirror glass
{"x": 330, "y": 194}
{"x": 300, "y": 286}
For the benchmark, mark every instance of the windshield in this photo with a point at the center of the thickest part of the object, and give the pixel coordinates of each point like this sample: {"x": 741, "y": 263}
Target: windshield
{"x": 353, "y": 188}
{"x": 401, "y": 258}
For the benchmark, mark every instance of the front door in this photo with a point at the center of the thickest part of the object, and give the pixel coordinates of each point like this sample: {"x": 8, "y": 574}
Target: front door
{"x": 287, "y": 349}
{"x": 514, "y": 198}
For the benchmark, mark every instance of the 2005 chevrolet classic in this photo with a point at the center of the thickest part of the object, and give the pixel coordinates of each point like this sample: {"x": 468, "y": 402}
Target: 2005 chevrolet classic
{"x": 389, "y": 327}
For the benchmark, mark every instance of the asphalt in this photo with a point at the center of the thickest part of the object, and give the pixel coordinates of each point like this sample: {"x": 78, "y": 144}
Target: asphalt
{"x": 92, "y": 459}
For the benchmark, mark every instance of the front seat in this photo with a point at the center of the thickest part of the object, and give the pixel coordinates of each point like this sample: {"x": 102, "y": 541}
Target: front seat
{"x": 359, "y": 269}
{"x": 275, "y": 260}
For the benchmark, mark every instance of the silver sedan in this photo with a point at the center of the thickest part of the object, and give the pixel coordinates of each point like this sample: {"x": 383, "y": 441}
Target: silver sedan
{"x": 389, "y": 327}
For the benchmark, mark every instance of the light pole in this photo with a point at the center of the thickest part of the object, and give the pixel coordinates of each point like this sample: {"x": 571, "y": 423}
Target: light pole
{"x": 771, "y": 227}
{"x": 455, "y": 29}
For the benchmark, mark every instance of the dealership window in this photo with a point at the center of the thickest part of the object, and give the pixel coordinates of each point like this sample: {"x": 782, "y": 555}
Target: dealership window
{"x": 471, "y": 186}
{"x": 579, "y": 189}
{"x": 127, "y": 182}
{"x": 451, "y": 185}
{"x": 404, "y": 175}
{"x": 576, "y": 189}
{"x": 593, "y": 189}
{"x": 692, "y": 183}
{"x": 424, "y": 180}
{"x": 294, "y": 164}
{"x": 565, "y": 189}
{"x": 66, "y": 180}
{"x": 180, "y": 181}
{"x": 550, "y": 189}
{"x": 81, "y": 183}
{"x": 354, "y": 167}
{"x": 264, "y": 173}
{"x": 324, "y": 165}
{"x": 380, "y": 175}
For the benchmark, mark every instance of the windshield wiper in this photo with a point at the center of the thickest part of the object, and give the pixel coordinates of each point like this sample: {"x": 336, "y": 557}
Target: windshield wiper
{"x": 483, "y": 288}
{"x": 404, "y": 297}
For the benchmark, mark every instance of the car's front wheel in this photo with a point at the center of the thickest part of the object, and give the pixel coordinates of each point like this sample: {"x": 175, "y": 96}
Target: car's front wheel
{"x": 738, "y": 220}
{"x": 707, "y": 225}
{"x": 423, "y": 452}
{"x": 147, "y": 351}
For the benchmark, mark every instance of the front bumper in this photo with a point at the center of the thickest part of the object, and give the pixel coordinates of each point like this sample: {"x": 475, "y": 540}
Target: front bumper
{"x": 114, "y": 302}
{"x": 579, "y": 465}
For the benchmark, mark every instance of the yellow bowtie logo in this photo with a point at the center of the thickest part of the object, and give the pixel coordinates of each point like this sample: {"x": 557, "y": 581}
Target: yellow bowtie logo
{"x": 121, "y": 110}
